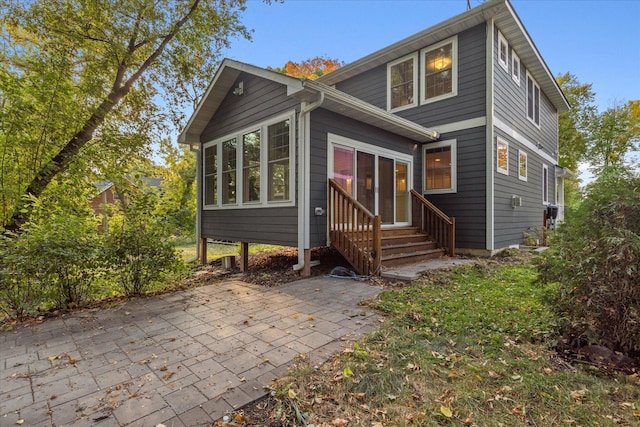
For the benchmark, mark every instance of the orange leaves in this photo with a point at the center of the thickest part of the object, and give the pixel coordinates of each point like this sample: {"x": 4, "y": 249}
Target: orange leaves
{"x": 311, "y": 68}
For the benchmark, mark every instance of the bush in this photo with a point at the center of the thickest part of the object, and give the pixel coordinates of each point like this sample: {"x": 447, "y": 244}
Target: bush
{"x": 138, "y": 248}
{"x": 595, "y": 259}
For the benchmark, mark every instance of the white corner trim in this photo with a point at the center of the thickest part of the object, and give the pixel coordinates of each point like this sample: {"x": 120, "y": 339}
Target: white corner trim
{"x": 489, "y": 158}
{"x": 499, "y": 124}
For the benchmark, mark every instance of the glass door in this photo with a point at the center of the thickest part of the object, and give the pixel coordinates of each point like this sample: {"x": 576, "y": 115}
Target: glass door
{"x": 386, "y": 200}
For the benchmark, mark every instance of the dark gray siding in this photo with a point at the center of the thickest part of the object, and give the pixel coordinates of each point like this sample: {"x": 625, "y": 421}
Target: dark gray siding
{"x": 277, "y": 226}
{"x": 468, "y": 205}
{"x": 262, "y": 100}
{"x": 324, "y": 122}
{"x": 511, "y": 223}
{"x": 469, "y": 102}
{"x": 510, "y": 106}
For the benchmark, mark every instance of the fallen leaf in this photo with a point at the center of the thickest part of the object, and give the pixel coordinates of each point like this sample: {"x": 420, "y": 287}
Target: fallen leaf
{"x": 347, "y": 372}
{"x": 310, "y": 318}
{"x": 295, "y": 316}
{"x": 239, "y": 418}
{"x": 20, "y": 422}
{"x": 164, "y": 368}
{"x": 360, "y": 396}
{"x": 340, "y": 422}
{"x": 636, "y": 413}
{"x": 446, "y": 411}
{"x": 292, "y": 394}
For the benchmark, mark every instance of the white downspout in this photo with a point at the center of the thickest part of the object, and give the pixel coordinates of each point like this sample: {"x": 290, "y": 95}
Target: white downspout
{"x": 198, "y": 152}
{"x": 304, "y": 180}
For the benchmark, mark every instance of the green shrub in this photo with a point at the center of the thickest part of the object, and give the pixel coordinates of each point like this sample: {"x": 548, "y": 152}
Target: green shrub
{"x": 138, "y": 247}
{"x": 595, "y": 259}
{"x": 20, "y": 289}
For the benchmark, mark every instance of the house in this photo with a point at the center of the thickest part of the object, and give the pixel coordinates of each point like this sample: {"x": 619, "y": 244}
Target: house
{"x": 107, "y": 194}
{"x": 451, "y": 133}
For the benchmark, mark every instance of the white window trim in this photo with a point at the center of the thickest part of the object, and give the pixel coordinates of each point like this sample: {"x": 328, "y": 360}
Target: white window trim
{"x": 264, "y": 156}
{"x": 524, "y": 154}
{"x": 515, "y": 65}
{"x": 545, "y": 191}
{"x": 454, "y": 167}
{"x": 535, "y": 84}
{"x": 454, "y": 70}
{"x": 504, "y": 64}
{"x": 416, "y": 77}
{"x": 498, "y": 168}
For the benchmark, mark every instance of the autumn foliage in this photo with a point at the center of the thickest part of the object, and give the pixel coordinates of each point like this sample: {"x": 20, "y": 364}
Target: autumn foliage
{"x": 310, "y": 68}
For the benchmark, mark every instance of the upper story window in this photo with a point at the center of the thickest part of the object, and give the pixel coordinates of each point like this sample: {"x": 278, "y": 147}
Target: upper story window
{"x": 251, "y": 168}
{"x": 440, "y": 167}
{"x": 515, "y": 68}
{"x": 402, "y": 88}
{"x": 533, "y": 100}
{"x": 503, "y": 52}
{"x": 502, "y": 157}
{"x": 440, "y": 70}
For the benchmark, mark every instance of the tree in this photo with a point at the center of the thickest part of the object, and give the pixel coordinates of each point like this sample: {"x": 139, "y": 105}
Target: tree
{"x": 309, "y": 69}
{"x": 574, "y": 125}
{"x": 614, "y": 133}
{"x": 69, "y": 65}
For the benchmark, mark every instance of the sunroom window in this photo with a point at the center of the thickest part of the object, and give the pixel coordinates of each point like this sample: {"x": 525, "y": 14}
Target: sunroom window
{"x": 401, "y": 83}
{"x": 279, "y": 152}
{"x": 251, "y": 168}
{"x": 439, "y": 70}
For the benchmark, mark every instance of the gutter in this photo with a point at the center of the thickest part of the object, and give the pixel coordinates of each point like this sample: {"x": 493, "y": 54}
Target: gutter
{"x": 304, "y": 180}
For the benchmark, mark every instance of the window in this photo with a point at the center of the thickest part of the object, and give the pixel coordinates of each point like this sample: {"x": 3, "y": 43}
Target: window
{"x": 533, "y": 100}
{"x": 440, "y": 167}
{"x": 502, "y": 162}
{"x": 545, "y": 184}
{"x": 402, "y": 90}
{"x": 228, "y": 172}
{"x": 279, "y": 151}
{"x": 250, "y": 168}
{"x": 522, "y": 165}
{"x": 515, "y": 68}
{"x": 503, "y": 52}
{"x": 439, "y": 70}
{"x": 211, "y": 175}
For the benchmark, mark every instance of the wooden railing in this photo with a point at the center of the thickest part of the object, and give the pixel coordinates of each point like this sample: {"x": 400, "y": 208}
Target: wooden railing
{"x": 434, "y": 222}
{"x": 354, "y": 231}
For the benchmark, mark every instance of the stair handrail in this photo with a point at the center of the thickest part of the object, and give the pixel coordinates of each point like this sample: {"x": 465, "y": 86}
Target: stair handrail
{"x": 354, "y": 231}
{"x": 434, "y": 222}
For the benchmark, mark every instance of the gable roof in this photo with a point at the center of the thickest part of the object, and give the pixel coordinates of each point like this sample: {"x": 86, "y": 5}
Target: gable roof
{"x": 304, "y": 91}
{"x": 505, "y": 19}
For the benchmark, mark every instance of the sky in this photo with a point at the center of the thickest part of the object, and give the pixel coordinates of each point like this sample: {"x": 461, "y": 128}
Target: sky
{"x": 596, "y": 40}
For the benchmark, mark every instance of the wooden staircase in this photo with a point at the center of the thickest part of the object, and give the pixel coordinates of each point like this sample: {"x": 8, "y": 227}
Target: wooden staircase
{"x": 358, "y": 234}
{"x": 407, "y": 245}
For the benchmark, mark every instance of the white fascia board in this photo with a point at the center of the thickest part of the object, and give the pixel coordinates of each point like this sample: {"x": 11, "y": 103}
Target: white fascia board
{"x": 422, "y": 133}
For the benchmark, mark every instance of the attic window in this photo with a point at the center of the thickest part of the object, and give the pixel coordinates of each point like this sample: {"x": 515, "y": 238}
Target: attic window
{"x": 439, "y": 70}
{"x": 402, "y": 88}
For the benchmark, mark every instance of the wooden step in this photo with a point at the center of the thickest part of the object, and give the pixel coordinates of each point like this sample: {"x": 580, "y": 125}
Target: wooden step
{"x": 404, "y": 239}
{"x": 410, "y": 258}
{"x": 404, "y": 248}
{"x": 400, "y": 231}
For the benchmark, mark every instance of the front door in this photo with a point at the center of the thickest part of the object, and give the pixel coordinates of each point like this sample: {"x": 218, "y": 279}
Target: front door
{"x": 375, "y": 177}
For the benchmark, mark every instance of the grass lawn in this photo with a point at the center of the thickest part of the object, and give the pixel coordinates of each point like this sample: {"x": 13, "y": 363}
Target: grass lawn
{"x": 216, "y": 250}
{"x": 469, "y": 346}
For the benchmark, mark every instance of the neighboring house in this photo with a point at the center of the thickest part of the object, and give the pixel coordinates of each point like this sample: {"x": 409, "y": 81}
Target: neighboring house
{"x": 462, "y": 116}
{"x": 107, "y": 195}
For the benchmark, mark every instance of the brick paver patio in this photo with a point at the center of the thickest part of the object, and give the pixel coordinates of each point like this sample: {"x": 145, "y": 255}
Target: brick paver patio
{"x": 181, "y": 359}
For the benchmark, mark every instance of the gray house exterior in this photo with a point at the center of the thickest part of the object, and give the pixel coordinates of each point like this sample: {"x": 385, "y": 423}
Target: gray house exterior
{"x": 464, "y": 112}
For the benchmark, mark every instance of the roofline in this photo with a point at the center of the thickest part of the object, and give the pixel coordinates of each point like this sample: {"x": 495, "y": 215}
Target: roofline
{"x": 293, "y": 85}
{"x": 485, "y": 10}
{"x": 422, "y": 133}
